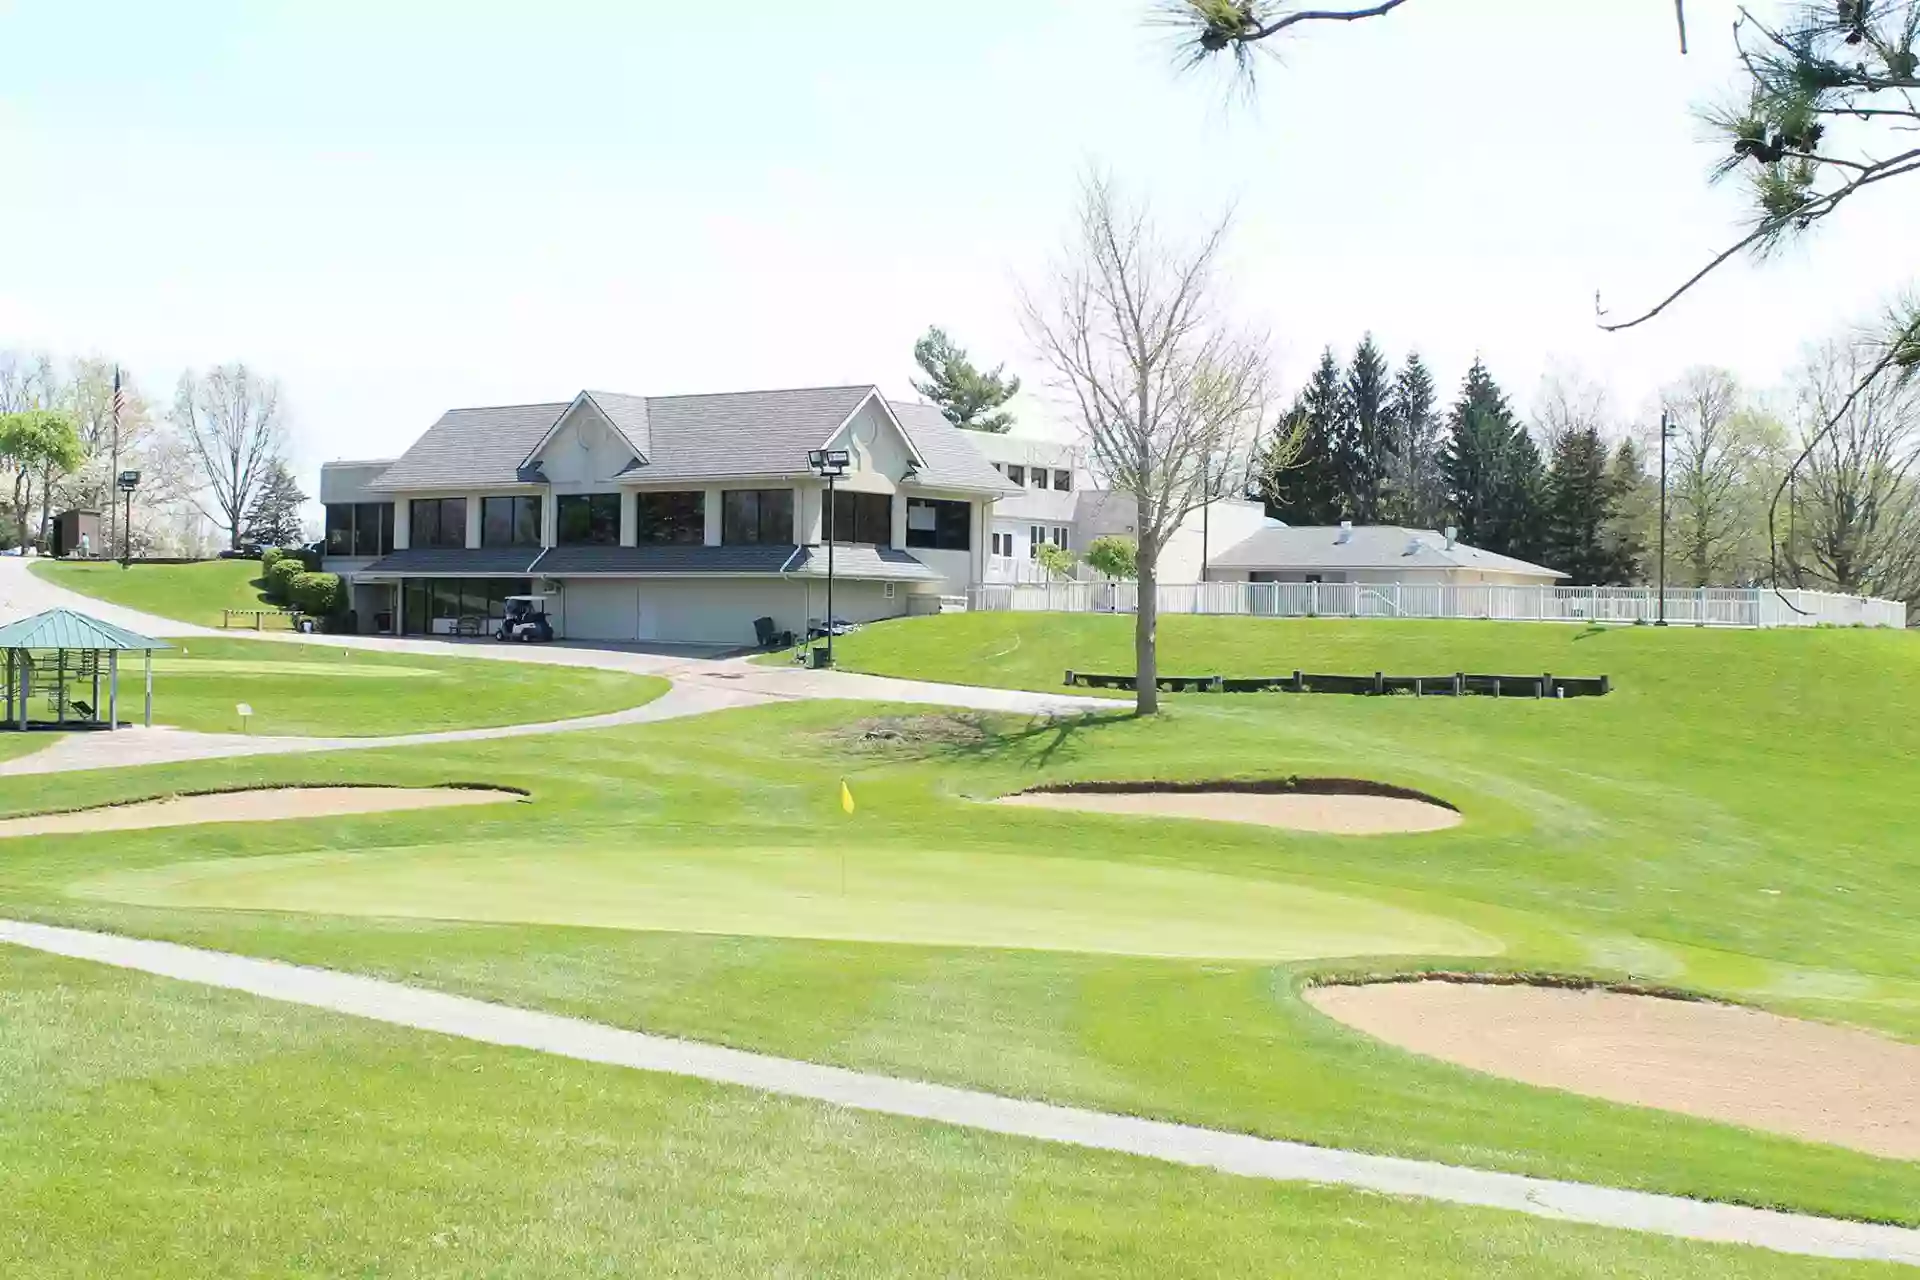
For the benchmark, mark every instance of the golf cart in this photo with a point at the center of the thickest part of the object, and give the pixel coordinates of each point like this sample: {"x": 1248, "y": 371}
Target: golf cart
{"x": 526, "y": 620}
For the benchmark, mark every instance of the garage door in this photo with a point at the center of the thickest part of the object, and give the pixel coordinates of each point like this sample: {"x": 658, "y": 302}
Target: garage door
{"x": 601, "y": 611}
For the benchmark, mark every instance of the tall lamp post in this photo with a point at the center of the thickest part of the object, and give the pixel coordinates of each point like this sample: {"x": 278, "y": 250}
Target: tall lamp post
{"x": 829, "y": 465}
{"x": 1666, "y": 434}
{"x": 129, "y": 481}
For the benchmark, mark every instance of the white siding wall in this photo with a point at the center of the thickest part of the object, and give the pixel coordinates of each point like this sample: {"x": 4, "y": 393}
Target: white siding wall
{"x": 710, "y": 611}
{"x": 348, "y": 481}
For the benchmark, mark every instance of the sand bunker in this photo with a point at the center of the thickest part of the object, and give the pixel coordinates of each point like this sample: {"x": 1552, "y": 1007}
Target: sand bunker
{"x": 1804, "y": 1079}
{"x": 251, "y": 806}
{"x": 1334, "y": 806}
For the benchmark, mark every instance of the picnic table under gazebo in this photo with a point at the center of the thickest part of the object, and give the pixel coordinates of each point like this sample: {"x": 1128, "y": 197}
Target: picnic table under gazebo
{"x": 51, "y": 652}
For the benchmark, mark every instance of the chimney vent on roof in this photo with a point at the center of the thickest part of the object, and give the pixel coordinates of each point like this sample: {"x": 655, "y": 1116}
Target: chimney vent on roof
{"x": 1346, "y": 533}
{"x": 1453, "y": 536}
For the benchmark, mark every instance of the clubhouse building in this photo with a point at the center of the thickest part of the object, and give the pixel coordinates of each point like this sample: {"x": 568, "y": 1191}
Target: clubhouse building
{"x": 687, "y": 519}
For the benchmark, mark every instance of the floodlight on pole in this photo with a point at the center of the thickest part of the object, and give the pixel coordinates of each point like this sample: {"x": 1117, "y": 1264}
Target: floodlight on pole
{"x": 129, "y": 481}
{"x": 829, "y": 465}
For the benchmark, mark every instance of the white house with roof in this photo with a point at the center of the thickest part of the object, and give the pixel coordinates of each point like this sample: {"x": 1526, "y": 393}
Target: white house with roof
{"x": 669, "y": 519}
{"x": 1371, "y": 554}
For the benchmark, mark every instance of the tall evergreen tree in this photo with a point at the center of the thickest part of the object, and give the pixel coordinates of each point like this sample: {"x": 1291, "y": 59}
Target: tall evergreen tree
{"x": 1365, "y": 444}
{"x": 1635, "y": 508}
{"x": 1583, "y": 500}
{"x": 273, "y": 517}
{"x": 1524, "y": 497}
{"x": 1309, "y": 490}
{"x": 1414, "y": 492}
{"x": 1491, "y": 470}
{"x": 969, "y": 399}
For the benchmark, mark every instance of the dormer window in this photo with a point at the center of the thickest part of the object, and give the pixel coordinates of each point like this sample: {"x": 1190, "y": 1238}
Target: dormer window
{"x": 1017, "y": 475}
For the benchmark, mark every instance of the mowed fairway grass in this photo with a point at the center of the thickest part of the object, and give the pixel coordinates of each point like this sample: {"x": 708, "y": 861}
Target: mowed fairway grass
{"x": 1719, "y": 824}
{"x": 155, "y": 1129}
{"x": 313, "y": 689}
{"x": 193, "y": 593}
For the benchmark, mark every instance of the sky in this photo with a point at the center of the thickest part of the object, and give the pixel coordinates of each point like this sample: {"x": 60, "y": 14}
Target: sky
{"x": 397, "y": 208}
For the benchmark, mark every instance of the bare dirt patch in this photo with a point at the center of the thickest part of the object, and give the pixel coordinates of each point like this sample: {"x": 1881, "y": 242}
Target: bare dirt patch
{"x": 265, "y": 805}
{"x": 1332, "y": 806}
{"x": 912, "y": 735}
{"x": 1807, "y": 1080}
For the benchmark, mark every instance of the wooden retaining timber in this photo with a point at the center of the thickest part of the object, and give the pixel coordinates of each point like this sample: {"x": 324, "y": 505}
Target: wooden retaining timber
{"x": 1458, "y": 685}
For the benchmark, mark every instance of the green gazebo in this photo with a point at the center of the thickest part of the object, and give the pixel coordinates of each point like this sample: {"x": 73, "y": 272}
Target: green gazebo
{"x": 51, "y": 652}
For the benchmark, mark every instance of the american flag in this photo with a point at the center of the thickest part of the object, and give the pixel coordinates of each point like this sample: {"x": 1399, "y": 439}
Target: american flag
{"x": 119, "y": 396}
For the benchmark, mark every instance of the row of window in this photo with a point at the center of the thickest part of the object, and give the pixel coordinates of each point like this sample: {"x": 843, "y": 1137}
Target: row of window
{"x": 748, "y": 517}
{"x": 1037, "y": 537}
{"x": 1036, "y": 477}
{"x": 359, "y": 528}
{"x": 433, "y": 606}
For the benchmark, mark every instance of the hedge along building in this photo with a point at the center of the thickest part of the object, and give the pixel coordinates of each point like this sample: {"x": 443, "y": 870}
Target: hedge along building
{"x": 672, "y": 519}
{"x": 49, "y": 652}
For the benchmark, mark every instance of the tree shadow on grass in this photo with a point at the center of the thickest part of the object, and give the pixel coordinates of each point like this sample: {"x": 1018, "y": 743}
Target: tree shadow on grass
{"x": 1034, "y": 743}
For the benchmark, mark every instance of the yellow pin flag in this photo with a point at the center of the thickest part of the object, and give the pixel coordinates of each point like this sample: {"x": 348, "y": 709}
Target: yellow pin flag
{"x": 846, "y": 796}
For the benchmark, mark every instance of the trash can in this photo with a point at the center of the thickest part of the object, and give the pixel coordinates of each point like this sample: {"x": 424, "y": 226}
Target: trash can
{"x": 822, "y": 658}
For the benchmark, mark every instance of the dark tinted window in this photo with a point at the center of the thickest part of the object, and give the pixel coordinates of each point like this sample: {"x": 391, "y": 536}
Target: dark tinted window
{"x": 363, "y": 529}
{"x": 672, "y": 519}
{"x": 339, "y": 529}
{"x": 939, "y": 526}
{"x": 862, "y": 517}
{"x": 751, "y": 517}
{"x": 438, "y": 522}
{"x": 373, "y": 528}
{"x": 589, "y": 520}
{"x": 510, "y": 522}
{"x": 1063, "y": 481}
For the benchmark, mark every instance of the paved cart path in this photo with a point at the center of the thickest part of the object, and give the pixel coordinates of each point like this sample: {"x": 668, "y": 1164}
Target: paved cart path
{"x": 1233, "y": 1153}
{"x": 701, "y": 685}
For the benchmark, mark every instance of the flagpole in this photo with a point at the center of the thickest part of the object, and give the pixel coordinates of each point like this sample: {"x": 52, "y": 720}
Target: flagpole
{"x": 113, "y": 517}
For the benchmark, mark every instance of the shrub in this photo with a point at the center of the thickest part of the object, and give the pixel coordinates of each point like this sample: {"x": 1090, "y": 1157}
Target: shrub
{"x": 268, "y": 558}
{"x": 1057, "y": 561}
{"x": 320, "y": 595}
{"x": 1114, "y": 557}
{"x": 280, "y": 575}
{"x": 309, "y": 560}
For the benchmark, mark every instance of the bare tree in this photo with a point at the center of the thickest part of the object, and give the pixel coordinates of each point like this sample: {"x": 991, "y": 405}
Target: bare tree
{"x": 1570, "y": 402}
{"x": 230, "y": 421}
{"x": 1712, "y": 464}
{"x": 1858, "y": 499}
{"x": 1163, "y": 385}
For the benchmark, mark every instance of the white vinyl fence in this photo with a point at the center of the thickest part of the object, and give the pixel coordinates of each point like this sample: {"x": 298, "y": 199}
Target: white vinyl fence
{"x": 1710, "y": 606}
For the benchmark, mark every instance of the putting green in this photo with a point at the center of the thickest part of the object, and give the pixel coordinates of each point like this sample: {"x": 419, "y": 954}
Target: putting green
{"x": 342, "y": 670}
{"x": 918, "y": 896}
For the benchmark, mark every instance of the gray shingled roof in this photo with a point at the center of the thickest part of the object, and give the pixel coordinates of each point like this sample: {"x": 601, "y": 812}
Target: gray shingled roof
{"x": 472, "y": 447}
{"x": 879, "y": 564}
{"x": 742, "y": 433}
{"x": 499, "y": 562}
{"x": 1312, "y": 547}
{"x": 566, "y": 561}
{"x": 952, "y": 461}
{"x": 629, "y": 416}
